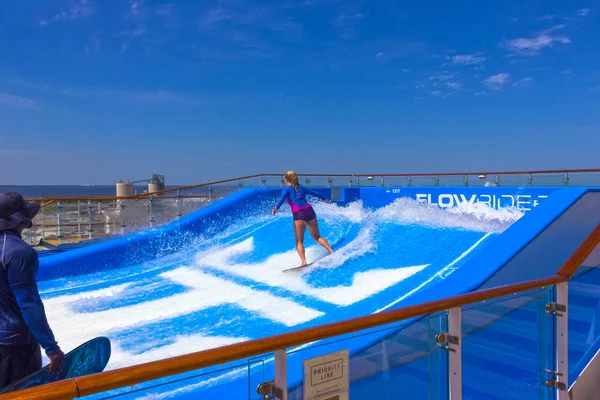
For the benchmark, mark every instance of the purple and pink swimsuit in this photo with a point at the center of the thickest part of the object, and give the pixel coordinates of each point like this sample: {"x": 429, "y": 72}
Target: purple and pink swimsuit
{"x": 301, "y": 209}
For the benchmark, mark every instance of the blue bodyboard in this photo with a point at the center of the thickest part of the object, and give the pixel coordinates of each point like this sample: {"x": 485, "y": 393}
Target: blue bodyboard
{"x": 334, "y": 246}
{"x": 89, "y": 358}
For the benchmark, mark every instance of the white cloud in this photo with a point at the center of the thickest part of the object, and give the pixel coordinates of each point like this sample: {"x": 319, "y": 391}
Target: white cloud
{"x": 77, "y": 10}
{"x": 583, "y": 12}
{"x": 131, "y": 96}
{"x": 444, "y": 83}
{"x": 454, "y": 85}
{"x": 17, "y": 101}
{"x": 497, "y": 81}
{"x": 532, "y": 46}
{"x": 213, "y": 17}
{"x": 346, "y": 24}
{"x": 111, "y": 95}
{"x": 135, "y": 7}
{"x": 523, "y": 82}
{"x": 467, "y": 59}
{"x": 554, "y": 28}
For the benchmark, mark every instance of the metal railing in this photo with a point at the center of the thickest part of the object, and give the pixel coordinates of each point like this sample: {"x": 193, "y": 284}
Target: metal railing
{"x": 67, "y": 220}
{"x": 73, "y": 219}
{"x": 133, "y": 375}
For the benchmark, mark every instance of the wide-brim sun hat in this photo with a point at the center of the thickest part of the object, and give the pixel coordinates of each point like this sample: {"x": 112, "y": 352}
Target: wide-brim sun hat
{"x": 15, "y": 210}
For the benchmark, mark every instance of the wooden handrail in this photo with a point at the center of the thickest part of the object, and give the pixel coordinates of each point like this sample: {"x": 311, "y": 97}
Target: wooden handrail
{"x": 65, "y": 389}
{"x": 128, "y": 376}
{"x": 197, "y": 186}
{"x": 47, "y": 201}
{"x": 534, "y": 172}
{"x": 144, "y": 195}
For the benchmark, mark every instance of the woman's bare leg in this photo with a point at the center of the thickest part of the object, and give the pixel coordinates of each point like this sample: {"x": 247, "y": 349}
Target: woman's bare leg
{"x": 313, "y": 227}
{"x": 299, "y": 229}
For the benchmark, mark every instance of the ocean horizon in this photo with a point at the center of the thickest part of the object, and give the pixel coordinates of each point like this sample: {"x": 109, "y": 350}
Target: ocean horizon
{"x": 49, "y": 191}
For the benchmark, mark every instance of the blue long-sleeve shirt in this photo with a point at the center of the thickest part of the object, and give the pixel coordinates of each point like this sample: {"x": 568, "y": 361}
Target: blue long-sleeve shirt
{"x": 297, "y": 198}
{"x": 22, "y": 312}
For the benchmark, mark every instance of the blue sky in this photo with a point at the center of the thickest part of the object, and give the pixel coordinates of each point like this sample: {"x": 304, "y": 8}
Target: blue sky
{"x": 93, "y": 91}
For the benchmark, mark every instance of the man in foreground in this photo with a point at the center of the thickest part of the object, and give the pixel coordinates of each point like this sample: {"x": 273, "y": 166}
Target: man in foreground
{"x": 23, "y": 323}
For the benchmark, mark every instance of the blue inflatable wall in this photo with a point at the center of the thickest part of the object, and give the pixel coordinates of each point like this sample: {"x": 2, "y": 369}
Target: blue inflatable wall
{"x": 553, "y": 216}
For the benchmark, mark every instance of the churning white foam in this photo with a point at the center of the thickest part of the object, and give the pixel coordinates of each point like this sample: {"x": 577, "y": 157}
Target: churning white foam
{"x": 478, "y": 217}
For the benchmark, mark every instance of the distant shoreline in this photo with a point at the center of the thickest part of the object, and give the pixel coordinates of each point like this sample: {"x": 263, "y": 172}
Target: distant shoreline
{"x": 49, "y": 191}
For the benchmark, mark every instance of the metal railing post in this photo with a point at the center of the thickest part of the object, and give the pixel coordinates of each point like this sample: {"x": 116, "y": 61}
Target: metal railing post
{"x": 451, "y": 341}
{"x": 178, "y": 203}
{"x": 59, "y": 208}
{"x": 90, "y": 235}
{"x": 455, "y": 353}
{"x": 382, "y": 181}
{"x": 466, "y": 180}
{"x": 560, "y": 310}
{"x": 437, "y": 180}
{"x": 150, "y": 210}
{"x": 409, "y": 181}
{"x": 566, "y": 178}
{"x": 277, "y": 388}
{"x": 43, "y": 225}
{"x": 281, "y": 372}
{"x": 122, "y": 215}
{"x": 79, "y": 218}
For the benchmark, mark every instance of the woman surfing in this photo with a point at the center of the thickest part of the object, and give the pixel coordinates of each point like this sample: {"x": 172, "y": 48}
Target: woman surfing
{"x": 304, "y": 214}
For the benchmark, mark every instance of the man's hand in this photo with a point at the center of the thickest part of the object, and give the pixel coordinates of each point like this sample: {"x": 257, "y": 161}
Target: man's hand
{"x": 56, "y": 361}
{"x": 274, "y": 211}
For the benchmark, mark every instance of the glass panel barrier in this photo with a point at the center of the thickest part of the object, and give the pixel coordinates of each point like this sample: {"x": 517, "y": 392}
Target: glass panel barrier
{"x": 583, "y": 179}
{"x": 507, "y": 346}
{"x": 395, "y": 362}
{"x": 237, "y": 380}
{"x": 553, "y": 246}
{"x": 584, "y": 319}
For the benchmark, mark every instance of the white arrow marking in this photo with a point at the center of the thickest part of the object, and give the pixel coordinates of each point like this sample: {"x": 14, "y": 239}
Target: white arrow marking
{"x": 275, "y": 308}
{"x": 72, "y": 328}
{"x": 364, "y": 284}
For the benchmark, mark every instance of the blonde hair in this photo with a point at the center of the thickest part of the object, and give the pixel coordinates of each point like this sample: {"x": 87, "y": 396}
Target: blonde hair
{"x": 292, "y": 178}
